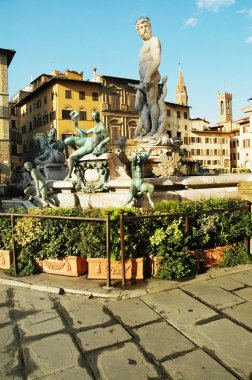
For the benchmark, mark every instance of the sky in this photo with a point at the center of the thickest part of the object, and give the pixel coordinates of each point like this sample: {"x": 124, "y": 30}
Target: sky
{"x": 210, "y": 39}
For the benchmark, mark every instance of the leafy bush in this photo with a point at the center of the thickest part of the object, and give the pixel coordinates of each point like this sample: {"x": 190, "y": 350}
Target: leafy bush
{"x": 163, "y": 236}
{"x": 235, "y": 255}
{"x": 176, "y": 265}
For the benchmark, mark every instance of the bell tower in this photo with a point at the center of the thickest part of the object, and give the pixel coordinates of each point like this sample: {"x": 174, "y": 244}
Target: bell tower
{"x": 225, "y": 107}
{"x": 181, "y": 92}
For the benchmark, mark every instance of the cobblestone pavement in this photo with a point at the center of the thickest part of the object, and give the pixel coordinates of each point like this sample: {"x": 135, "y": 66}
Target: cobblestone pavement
{"x": 201, "y": 330}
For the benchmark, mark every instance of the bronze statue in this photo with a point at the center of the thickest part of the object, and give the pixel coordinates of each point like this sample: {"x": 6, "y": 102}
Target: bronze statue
{"x": 39, "y": 189}
{"x": 96, "y": 144}
{"x": 138, "y": 186}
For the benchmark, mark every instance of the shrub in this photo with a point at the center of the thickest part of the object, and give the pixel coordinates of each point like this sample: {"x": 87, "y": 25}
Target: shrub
{"x": 235, "y": 255}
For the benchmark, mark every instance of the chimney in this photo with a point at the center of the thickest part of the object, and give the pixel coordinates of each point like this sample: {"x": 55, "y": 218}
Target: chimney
{"x": 94, "y": 71}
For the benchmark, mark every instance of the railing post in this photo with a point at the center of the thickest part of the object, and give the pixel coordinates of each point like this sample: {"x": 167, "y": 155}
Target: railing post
{"x": 108, "y": 248}
{"x": 248, "y": 240}
{"x": 14, "y": 251}
{"x": 122, "y": 248}
{"x": 186, "y": 228}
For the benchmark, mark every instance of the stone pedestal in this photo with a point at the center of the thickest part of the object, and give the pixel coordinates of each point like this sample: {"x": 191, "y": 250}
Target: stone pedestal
{"x": 55, "y": 172}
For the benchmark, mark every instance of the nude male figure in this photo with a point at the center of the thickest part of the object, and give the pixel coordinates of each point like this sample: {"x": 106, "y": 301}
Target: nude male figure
{"x": 149, "y": 61}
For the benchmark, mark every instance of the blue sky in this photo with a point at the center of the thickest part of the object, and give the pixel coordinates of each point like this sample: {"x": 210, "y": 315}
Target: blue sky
{"x": 212, "y": 39}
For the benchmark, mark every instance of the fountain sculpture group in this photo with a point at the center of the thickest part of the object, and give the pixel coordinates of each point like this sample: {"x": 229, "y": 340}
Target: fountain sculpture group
{"x": 93, "y": 168}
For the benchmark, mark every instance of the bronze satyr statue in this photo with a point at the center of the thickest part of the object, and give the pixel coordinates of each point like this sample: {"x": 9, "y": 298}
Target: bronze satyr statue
{"x": 138, "y": 186}
{"x": 96, "y": 144}
{"x": 39, "y": 189}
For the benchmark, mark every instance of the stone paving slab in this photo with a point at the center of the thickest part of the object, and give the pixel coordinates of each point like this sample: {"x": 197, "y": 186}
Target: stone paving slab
{"x": 228, "y": 342}
{"x": 4, "y": 315}
{"x": 29, "y": 300}
{"x": 83, "y": 312}
{"x": 245, "y": 293}
{"x": 132, "y": 312}
{"x": 196, "y": 365}
{"x": 7, "y": 336}
{"x": 41, "y": 323}
{"x": 102, "y": 337}
{"x": 125, "y": 363}
{"x": 49, "y": 355}
{"x": 4, "y": 295}
{"x": 180, "y": 309}
{"x": 213, "y": 295}
{"x": 226, "y": 283}
{"x": 10, "y": 364}
{"x": 75, "y": 373}
{"x": 243, "y": 277}
{"x": 162, "y": 340}
{"x": 241, "y": 313}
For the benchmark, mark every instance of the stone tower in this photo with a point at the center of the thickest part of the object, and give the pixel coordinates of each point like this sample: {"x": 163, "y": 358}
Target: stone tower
{"x": 225, "y": 107}
{"x": 5, "y": 60}
{"x": 181, "y": 93}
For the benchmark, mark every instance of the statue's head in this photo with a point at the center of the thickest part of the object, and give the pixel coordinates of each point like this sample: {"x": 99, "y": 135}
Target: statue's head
{"x": 28, "y": 166}
{"x": 96, "y": 115}
{"x": 143, "y": 28}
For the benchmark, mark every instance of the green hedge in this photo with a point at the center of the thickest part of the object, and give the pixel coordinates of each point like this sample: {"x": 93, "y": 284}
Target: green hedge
{"x": 163, "y": 236}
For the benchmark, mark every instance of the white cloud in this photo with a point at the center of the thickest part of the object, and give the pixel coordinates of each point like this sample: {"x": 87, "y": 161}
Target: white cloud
{"x": 245, "y": 11}
{"x": 191, "y": 22}
{"x": 214, "y": 5}
{"x": 249, "y": 40}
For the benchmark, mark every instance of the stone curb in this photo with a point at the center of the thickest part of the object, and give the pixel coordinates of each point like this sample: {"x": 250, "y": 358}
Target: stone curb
{"x": 22, "y": 284}
{"x": 116, "y": 294}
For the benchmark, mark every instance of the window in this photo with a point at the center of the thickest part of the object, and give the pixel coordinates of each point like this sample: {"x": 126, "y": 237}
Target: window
{"x": 30, "y": 126}
{"x": 13, "y": 111}
{"x": 178, "y": 114}
{"x": 52, "y": 115}
{"x": 185, "y": 115}
{"x": 24, "y": 129}
{"x": 45, "y": 99}
{"x": 81, "y": 95}
{"x": 34, "y": 122}
{"x": 192, "y": 139}
{"x": 215, "y": 140}
{"x": 216, "y": 152}
{"x": 222, "y": 107}
{"x": 95, "y": 96}
{"x": 82, "y": 115}
{"x": 68, "y": 94}
{"x": 186, "y": 128}
{"x": 30, "y": 108}
{"x": 13, "y": 148}
{"x": 168, "y": 113}
{"x": 39, "y": 103}
{"x": 179, "y": 134}
{"x": 45, "y": 119}
{"x": 186, "y": 140}
{"x": 13, "y": 123}
{"x": 66, "y": 114}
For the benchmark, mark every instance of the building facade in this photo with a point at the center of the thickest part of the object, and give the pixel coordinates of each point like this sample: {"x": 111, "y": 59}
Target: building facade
{"x": 6, "y": 57}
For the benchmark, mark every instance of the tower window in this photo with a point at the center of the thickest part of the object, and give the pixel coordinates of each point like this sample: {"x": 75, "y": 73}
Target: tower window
{"x": 222, "y": 107}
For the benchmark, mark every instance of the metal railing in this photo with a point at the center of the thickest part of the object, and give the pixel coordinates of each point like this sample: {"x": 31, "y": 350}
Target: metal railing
{"x": 122, "y": 220}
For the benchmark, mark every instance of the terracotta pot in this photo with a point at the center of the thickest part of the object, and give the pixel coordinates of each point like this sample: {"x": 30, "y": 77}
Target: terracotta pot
{"x": 97, "y": 269}
{"x": 154, "y": 264}
{"x": 208, "y": 258}
{"x": 67, "y": 265}
{"x": 5, "y": 259}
